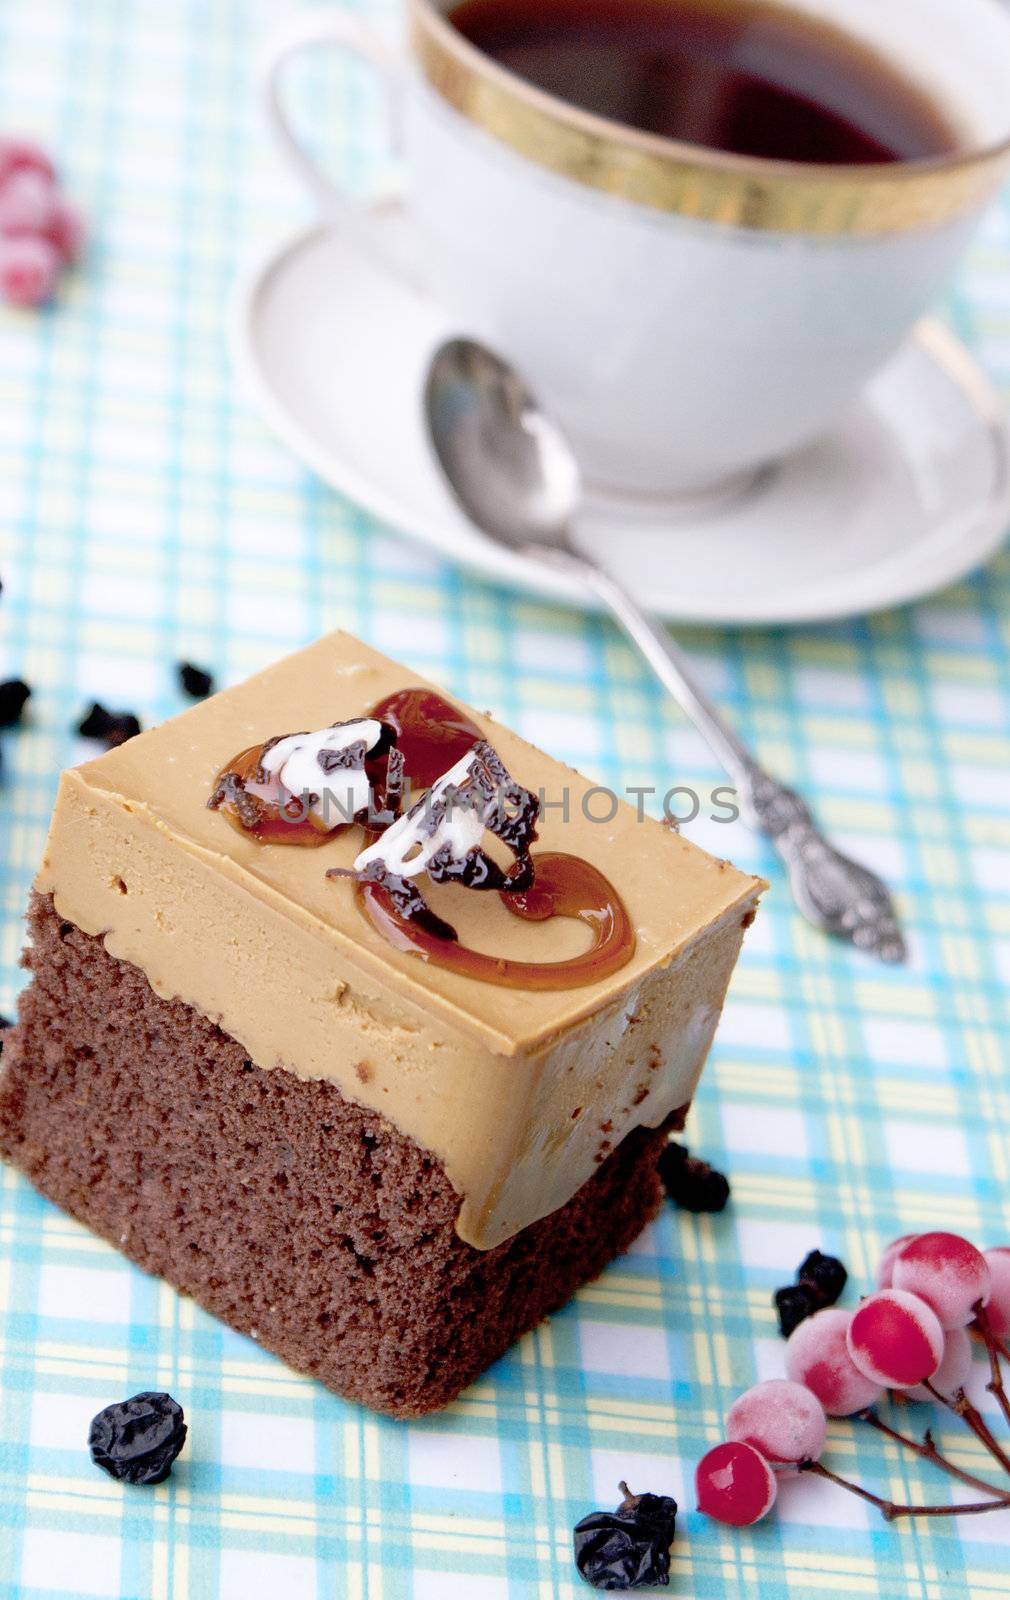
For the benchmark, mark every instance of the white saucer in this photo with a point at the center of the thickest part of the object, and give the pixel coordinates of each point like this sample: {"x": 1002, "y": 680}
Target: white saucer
{"x": 910, "y": 492}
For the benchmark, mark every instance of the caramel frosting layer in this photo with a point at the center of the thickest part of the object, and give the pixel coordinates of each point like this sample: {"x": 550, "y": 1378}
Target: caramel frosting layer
{"x": 518, "y": 1094}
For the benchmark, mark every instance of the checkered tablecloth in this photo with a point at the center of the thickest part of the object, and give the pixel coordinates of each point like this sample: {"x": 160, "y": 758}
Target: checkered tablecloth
{"x": 146, "y": 515}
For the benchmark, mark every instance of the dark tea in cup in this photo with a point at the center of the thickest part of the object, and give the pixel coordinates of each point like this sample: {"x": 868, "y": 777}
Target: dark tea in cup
{"x": 743, "y": 76}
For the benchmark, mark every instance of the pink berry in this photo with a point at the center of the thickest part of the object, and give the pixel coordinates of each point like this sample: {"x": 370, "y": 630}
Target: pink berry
{"x": 27, "y": 204}
{"x": 948, "y": 1273}
{"x": 20, "y": 155}
{"x": 66, "y": 231}
{"x": 735, "y": 1484}
{"x": 29, "y": 269}
{"x": 889, "y": 1257}
{"x": 895, "y": 1339}
{"x": 817, "y": 1356}
{"x": 998, "y": 1308}
{"x": 784, "y": 1420}
{"x": 952, "y": 1373}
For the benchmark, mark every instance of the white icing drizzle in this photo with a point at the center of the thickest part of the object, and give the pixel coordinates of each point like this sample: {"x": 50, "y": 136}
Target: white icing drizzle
{"x": 409, "y": 844}
{"x": 293, "y": 768}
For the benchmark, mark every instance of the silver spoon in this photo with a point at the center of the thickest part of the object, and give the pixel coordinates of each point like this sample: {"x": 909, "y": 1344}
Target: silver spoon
{"x": 515, "y": 476}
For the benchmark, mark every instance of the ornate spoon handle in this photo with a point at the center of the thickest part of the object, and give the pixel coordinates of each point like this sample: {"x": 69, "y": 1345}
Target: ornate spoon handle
{"x": 834, "y": 893}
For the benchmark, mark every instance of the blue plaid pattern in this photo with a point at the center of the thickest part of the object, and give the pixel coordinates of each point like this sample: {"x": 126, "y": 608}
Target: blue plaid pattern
{"x": 145, "y": 515}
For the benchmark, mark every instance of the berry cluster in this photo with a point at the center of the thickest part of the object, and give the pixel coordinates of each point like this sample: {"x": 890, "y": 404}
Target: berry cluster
{"x": 775, "y": 1427}
{"x": 40, "y": 233}
{"x": 912, "y": 1336}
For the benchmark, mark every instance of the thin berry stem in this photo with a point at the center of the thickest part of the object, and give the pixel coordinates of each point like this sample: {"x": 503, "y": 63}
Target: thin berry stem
{"x": 892, "y": 1512}
{"x": 962, "y": 1407}
{"x": 819, "y": 1470}
{"x": 992, "y": 1345}
{"x": 928, "y": 1451}
{"x": 975, "y": 1508}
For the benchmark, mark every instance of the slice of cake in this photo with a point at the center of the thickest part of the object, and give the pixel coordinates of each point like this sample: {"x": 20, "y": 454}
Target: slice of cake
{"x": 368, "y": 1036}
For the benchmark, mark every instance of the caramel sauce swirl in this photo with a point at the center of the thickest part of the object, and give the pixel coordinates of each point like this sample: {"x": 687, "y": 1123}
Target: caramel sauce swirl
{"x": 431, "y": 736}
{"x": 564, "y": 886}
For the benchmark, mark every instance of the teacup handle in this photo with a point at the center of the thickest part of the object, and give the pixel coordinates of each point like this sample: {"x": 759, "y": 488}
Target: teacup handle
{"x": 346, "y": 31}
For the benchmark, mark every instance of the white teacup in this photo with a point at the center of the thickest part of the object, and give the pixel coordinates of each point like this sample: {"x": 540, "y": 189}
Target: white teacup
{"x": 687, "y": 315}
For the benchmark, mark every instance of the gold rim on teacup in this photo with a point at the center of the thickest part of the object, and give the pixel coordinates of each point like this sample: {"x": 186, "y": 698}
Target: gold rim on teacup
{"x": 708, "y": 185}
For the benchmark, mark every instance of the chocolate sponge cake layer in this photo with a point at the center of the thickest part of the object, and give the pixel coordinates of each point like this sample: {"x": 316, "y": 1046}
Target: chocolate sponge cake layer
{"x": 282, "y": 1207}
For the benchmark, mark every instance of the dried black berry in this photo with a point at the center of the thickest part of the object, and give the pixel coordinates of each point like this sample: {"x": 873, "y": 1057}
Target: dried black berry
{"x": 14, "y": 696}
{"x": 819, "y": 1283}
{"x": 691, "y": 1183}
{"x": 195, "y": 680}
{"x": 795, "y": 1304}
{"x": 671, "y": 1163}
{"x": 628, "y": 1548}
{"x": 824, "y": 1274}
{"x": 113, "y": 728}
{"x": 137, "y": 1440}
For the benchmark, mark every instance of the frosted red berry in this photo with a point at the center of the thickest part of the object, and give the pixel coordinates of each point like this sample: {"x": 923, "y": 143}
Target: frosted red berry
{"x": 22, "y": 155}
{"x": 895, "y": 1339}
{"x": 782, "y": 1419}
{"x": 66, "y": 231}
{"x": 952, "y": 1373}
{"x": 817, "y": 1356}
{"x": 29, "y": 269}
{"x": 27, "y": 204}
{"x": 946, "y": 1271}
{"x": 735, "y": 1484}
{"x": 885, "y": 1268}
{"x": 998, "y": 1309}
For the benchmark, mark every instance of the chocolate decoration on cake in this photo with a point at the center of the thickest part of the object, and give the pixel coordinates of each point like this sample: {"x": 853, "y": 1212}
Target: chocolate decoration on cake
{"x": 441, "y": 836}
{"x": 302, "y": 788}
{"x": 429, "y": 731}
{"x": 278, "y": 793}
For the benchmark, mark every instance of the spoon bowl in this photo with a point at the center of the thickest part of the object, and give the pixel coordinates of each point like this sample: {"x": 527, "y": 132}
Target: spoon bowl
{"x": 511, "y": 469}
